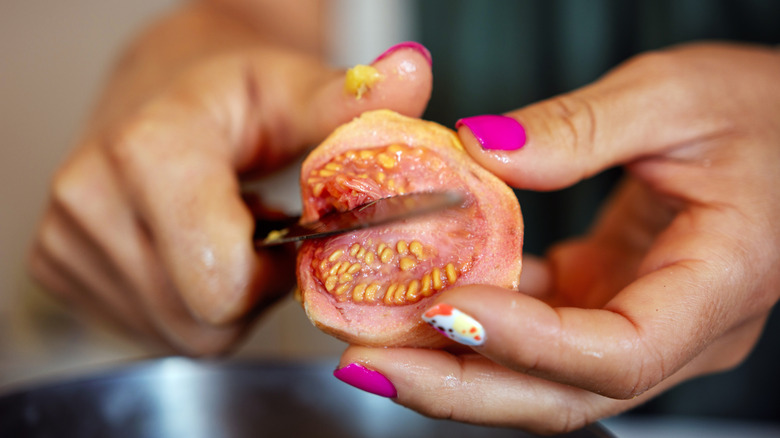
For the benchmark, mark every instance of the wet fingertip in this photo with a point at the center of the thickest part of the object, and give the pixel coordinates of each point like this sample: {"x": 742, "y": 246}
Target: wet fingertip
{"x": 455, "y": 324}
{"x": 361, "y": 79}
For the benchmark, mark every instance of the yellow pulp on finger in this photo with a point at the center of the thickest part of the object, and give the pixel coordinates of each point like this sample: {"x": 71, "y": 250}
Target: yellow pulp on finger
{"x": 360, "y": 79}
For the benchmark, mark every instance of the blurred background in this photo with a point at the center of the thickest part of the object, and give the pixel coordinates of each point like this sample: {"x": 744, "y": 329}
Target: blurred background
{"x": 54, "y": 55}
{"x": 53, "y": 58}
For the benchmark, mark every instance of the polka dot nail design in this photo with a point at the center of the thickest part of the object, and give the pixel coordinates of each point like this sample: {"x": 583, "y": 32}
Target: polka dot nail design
{"x": 455, "y": 324}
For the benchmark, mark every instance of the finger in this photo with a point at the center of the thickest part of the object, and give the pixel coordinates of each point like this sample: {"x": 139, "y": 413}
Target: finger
{"x": 177, "y": 160}
{"x": 573, "y": 346}
{"x": 67, "y": 246}
{"x": 106, "y": 255}
{"x": 307, "y": 100}
{"x": 472, "y": 389}
{"x": 644, "y": 107}
{"x": 74, "y": 239}
{"x": 404, "y": 85}
{"x": 171, "y": 315}
{"x": 59, "y": 280}
{"x": 188, "y": 198}
{"x": 163, "y": 319}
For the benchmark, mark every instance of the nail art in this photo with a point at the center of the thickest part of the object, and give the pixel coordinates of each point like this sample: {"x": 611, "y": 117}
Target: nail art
{"x": 368, "y": 380}
{"x": 407, "y": 45}
{"x": 495, "y": 132}
{"x": 455, "y": 324}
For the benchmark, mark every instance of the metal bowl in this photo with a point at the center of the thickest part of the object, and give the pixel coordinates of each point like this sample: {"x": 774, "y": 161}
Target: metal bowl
{"x": 179, "y": 397}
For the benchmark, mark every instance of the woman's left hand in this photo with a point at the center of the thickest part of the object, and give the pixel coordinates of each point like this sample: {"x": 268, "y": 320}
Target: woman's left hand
{"x": 676, "y": 277}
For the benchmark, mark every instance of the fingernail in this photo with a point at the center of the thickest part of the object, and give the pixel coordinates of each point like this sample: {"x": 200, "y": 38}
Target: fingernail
{"x": 368, "y": 380}
{"x": 495, "y": 132}
{"x": 407, "y": 45}
{"x": 455, "y": 324}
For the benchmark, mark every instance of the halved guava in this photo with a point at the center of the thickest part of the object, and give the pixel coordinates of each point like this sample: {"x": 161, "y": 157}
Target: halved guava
{"x": 370, "y": 287}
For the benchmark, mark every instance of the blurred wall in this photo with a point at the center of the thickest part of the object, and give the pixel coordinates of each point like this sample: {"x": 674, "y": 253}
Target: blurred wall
{"x": 53, "y": 58}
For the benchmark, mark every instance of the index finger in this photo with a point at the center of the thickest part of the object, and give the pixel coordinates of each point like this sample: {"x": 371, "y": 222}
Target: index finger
{"x": 187, "y": 196}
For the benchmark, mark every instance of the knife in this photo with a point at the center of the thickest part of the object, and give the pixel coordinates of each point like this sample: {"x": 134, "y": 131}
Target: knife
{"x": 377, "y": 212}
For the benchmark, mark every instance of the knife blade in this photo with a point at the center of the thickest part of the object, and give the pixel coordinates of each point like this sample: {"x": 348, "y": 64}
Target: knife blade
{"x": 378, "y": 212}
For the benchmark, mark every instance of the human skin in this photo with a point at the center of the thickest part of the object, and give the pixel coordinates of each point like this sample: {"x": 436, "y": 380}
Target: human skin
{"x": 595, "y": 330}
{"x": 146, "y": 226}
{"x": 675, "y": 279}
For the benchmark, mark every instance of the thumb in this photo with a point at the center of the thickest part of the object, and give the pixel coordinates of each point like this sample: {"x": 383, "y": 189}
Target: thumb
{"x": 301, "y": 101}
{"x": 642, "y": 108}
{"x": 399, "y": 79}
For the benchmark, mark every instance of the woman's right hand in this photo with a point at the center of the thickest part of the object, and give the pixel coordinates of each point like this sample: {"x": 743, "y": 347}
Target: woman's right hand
{"x": 145, "y": 225}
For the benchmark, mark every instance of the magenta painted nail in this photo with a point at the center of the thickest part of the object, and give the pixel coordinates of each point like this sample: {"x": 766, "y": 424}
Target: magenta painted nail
{"x": 368, "y": 380}
{"x": 407, "y": 45}
{"x": 495, "y": 132}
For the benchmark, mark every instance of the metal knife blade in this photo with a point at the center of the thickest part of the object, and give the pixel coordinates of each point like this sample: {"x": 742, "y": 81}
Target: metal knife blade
{"x": 378, "y": 212}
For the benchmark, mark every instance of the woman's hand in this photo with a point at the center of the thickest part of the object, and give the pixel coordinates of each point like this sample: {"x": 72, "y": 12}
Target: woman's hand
{"x": 677, "y": 276}
{"x": 146, "y": 225}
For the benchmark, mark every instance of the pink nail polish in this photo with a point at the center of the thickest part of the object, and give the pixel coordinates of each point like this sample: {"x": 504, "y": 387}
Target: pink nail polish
{"x": 407, "y": 45}
{"x": 368, "y": 380}
{"x": 495, "y": 132}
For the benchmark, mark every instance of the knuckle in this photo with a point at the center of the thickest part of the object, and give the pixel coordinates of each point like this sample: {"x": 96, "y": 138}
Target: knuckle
{"x": 572, "y": 126}
{"x": 78, "y": 182}
{"x": 666, "y": 75}
{"x": 664, "y": 70}
{"x": 127, "y": 146}
{"x": 67, "y": 186}
{"x": 444, "y": 398}
{"x": 152, "y": 146}
{"x": 657, "y": 63}
{"x": 578, "y": 117}
{"x": 649, "y": 370}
